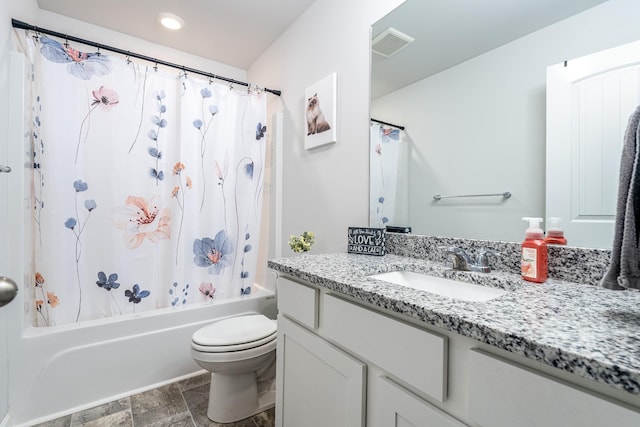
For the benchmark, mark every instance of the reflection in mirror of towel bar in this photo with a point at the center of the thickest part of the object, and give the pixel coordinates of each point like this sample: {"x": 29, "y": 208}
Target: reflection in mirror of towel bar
{"x": 506, "y": 195}
{"x": 5, "y": 169}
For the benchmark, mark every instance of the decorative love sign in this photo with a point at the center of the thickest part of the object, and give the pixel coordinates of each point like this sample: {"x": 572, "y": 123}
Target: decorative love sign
{"x": 366, "y": 241}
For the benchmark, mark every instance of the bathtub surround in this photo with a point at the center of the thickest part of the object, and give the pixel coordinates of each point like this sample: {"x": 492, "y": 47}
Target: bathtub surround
{"x": 186, "y": 194}
{"x": 38, "y": 377}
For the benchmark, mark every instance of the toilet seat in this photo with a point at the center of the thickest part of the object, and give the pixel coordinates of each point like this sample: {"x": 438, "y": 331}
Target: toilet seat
{"x": 233, "y": 347}
{"x": 235, "y": 334}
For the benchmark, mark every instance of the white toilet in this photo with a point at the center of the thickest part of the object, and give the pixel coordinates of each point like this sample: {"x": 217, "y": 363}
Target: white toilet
{"x": 240, "y": 353}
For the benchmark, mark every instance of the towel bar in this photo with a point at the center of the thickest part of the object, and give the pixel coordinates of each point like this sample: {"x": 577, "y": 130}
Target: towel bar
{"x": 506, "y": 195}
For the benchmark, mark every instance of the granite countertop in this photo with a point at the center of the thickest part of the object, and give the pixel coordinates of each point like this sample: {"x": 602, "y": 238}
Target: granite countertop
{"x": 585, "y": 330}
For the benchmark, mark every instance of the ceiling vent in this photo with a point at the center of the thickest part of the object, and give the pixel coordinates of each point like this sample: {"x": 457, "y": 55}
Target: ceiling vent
{"x": 390, "y": 41}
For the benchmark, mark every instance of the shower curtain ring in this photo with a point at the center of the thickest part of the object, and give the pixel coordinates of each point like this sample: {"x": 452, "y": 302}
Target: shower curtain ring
{"x": 155, "y": 67}
{"x": 66, "y": 41}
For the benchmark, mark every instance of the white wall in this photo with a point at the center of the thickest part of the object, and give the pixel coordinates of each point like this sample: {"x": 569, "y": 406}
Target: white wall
{"x": 325, "y": 190}
{"x": 479, "y": 127}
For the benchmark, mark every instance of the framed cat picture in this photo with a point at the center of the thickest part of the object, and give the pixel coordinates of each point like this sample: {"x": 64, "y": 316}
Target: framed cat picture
{"x": 320, "y": 112}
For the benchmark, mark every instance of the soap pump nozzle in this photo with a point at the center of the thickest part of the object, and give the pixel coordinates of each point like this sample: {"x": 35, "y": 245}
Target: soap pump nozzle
{"x": 534, "y": 231}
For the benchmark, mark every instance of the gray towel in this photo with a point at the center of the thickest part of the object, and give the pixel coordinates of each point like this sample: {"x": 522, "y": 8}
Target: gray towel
{"x": 624, "y": 271}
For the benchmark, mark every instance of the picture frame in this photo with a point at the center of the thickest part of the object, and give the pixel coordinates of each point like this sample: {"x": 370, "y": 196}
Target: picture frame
{"x": 320, "y": 112}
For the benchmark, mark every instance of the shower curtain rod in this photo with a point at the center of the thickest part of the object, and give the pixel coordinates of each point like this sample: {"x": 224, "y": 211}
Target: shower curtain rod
{"x": 388, "y": 124}
{"x": 24, "y": 26}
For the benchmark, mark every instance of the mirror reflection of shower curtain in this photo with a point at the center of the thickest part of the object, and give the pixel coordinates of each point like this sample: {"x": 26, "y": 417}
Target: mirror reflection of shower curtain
{"x": 146, "y": 185}
{"x": 388, "y": 176}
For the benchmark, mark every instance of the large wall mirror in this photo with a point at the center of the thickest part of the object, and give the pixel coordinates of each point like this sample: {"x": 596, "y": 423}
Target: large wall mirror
{"x": 471, "y": 93}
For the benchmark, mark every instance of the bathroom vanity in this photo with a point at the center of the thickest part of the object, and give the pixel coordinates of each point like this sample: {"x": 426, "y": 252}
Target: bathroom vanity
{"x": 355, "y": 351}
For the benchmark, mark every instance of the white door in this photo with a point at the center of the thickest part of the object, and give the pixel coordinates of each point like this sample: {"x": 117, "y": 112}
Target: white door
{"x": 5, "y": 31}
{"x": 4, "y": 350}
{"x": 5, "y": 288}
{"x": 589, "y": 101}
{"x": 7, "y": 285}
{"x": 12, "y": 160}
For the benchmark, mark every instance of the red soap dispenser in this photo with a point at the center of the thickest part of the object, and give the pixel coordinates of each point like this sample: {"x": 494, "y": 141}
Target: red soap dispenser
{"x": 555, "y": 235}
{"x": 534, "y": 260}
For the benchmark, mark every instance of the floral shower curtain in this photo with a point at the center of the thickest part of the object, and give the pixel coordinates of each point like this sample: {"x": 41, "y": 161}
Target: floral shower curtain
{"x": 388, "y": 181}
{"x": 147, "y": 185}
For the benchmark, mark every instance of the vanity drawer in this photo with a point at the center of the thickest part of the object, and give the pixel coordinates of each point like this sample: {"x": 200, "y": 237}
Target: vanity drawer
{"x": 410, "y": 354}
{"x": 298, "y": 302}
{"x": 504, "y": 394}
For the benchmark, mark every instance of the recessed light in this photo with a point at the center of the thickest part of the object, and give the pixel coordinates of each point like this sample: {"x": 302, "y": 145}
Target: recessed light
{"x": 170, "y": 21}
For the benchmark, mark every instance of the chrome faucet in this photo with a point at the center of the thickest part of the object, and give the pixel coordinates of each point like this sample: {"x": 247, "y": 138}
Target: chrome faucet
{"x": 462, "y": 260}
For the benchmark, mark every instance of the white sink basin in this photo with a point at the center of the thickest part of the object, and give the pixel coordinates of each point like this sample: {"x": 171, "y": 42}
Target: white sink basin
{"x": 440, "y": 286}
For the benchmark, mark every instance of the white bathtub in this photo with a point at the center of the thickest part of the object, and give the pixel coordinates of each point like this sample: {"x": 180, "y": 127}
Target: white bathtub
{"x": 59, "y": 370}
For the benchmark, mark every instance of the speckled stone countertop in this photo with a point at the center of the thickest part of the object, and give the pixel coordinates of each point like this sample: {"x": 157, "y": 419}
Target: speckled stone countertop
{"x": 585, "y": 330}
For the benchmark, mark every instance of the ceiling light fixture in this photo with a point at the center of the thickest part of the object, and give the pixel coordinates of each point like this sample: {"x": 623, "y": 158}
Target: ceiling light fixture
{"x": 171, "y": 21}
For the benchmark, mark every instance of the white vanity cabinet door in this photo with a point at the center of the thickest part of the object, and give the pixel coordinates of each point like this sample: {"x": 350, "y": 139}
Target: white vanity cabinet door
{"x": 502, "y": 394}
{"x": 317, "y": 385}
{"x": 396, "y": 406}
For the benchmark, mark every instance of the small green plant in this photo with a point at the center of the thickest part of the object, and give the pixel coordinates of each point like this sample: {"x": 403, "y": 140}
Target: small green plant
{"x": 301, "y": 243}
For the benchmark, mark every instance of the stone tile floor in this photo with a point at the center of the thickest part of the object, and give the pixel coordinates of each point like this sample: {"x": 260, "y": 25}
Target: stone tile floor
{"x": 180, "y": 404}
